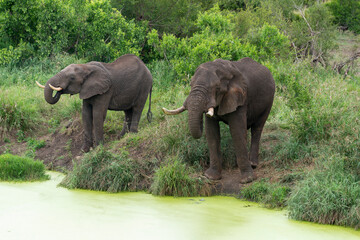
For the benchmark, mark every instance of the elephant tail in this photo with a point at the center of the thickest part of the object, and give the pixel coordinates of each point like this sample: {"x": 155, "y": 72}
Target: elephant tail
{"x": 149, "y": 113}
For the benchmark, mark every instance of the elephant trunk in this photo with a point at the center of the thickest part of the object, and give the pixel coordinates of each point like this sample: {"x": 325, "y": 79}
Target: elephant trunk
{"x": 196, "y": 106}
{"x": 48, "y": 91}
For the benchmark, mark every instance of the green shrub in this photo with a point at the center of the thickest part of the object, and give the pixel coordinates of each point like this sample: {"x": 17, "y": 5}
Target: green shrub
{"x": 271, "y": 195}
{"x": 175, "y": 178}
{"x": 102, "y": 170}
{"x": 270, "y": 43}
{"x": 215, "y": 39}
{"x": 167, "y": 16}
{"x": 42, "y": 28}
{"x": 16, "y": 168}
{"x": 317, "y": 40}
{"x": 346, "y": 13}
{"x": 329, "y": 195}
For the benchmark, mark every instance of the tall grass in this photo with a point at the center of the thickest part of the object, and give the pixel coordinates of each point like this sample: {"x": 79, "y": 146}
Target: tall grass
{"x": 329, "y": 195}
{"x": 103, "y": 171}
{"x": 16, "y": 168}
{"x": 24, "y": 108}
{"x": 175, "y": 178}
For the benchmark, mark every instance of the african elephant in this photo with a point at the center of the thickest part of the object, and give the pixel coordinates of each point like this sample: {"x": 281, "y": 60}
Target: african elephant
{"x": 238, "y": 93}
{"x": 123, "y": 85}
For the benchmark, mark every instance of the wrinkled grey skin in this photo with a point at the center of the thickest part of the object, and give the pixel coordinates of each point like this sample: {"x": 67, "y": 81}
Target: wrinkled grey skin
{"x": 122, "y": 85}
{"x": 241, "y": 94}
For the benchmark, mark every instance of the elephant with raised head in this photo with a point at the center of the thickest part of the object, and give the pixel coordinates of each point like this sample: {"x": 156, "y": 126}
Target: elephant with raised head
{"x": 239, "y": 93}
{"x": 123, "y": 85}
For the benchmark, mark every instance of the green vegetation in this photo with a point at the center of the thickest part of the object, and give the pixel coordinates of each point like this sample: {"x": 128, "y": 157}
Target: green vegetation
{"x": 271, "y": 195}
{"x": 346, "y": 13}
{"x": 329, "y": 196}
{"x": 311, "y": 142}
{"x": 175, "y": 178}
{"x": 16, "y": 168}
{"x": 103, "y": 171}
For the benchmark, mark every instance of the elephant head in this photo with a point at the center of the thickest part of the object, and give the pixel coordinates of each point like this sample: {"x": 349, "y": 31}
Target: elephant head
{"x": 217, "y": 88}
{"x": 87, "y": 79}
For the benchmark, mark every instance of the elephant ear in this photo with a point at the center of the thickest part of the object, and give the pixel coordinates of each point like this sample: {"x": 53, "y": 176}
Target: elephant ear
{"x": 96, "y": 82}
{"x": 232, "y": 92}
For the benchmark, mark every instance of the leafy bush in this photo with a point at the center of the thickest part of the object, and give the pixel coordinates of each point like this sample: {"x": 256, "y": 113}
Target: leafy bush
{"x": 215, "y": 39}
{"x": 107, "y": 34}
{"x": 16, "y": 168}
{"x": 329, "y": 195}
{"x": 167, "y": 16}
{"x": 103, "y": 171}
{"x": 271, "y": 195}
{"x": 346, "y": 13}
{"x": 175, "y": 178}
{"x": 312, "y": 33}
{"x": 42, "y": 28}
{"x": 270, "y": 43}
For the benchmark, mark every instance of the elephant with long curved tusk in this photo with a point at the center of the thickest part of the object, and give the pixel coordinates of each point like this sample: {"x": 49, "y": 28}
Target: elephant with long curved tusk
{"x": 238, "y": 93}
{"x": 123, "y": 85}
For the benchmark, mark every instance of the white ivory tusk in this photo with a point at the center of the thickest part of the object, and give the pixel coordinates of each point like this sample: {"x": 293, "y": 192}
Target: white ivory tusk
{"x": 55, "y": 88}
{"x": 210, "y": 112}
{"x": 42, "y": 86}
{"x": 173, "y": 112}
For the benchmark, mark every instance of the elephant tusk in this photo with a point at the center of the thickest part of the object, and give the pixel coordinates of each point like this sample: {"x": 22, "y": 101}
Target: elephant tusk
{"x": 55, "y": 88}
{"x": 173, "y": 112}
{"x": 42, "y": 86}
{"x": 210, "y": 112}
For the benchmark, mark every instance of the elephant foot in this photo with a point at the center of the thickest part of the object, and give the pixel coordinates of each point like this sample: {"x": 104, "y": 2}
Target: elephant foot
{"x": 247, "y": 177}
{"x": 254, "y": 165}
{"x": 85, "y": 148}
{"x": 213, "y": 174}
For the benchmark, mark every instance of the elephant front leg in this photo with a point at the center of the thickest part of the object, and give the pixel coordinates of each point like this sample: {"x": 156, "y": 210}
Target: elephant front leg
{"x": 239, "y": 136}
{"x": 99, "y": 115}
{"x": 87, "y": 120}
{"x": 213, "y": 141}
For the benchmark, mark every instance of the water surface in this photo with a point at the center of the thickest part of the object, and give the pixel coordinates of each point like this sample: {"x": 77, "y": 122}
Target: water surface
{"x": 41, "y": 210}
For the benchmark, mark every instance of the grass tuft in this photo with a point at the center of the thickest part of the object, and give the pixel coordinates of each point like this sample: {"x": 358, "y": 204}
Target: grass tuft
{"x": 175, "y": 178}
{"x": 271, "y": 195}
{"x": 16, "y": 168}
{"x": 102, "y": 170}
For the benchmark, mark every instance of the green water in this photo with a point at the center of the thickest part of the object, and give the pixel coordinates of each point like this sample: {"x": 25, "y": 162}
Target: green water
{"x": 42, "y": 210}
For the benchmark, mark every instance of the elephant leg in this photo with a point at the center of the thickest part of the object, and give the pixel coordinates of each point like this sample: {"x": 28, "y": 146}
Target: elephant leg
{"x": 127, "y": 122}
{"x": 213, "y": 141}
{"x": 256, "y": 130}
{"x": 254, "y": 149}
{"x": 87, "y": 119}
{"x": 99, "y": 115}
{"x": 238, "y": 130}
{"x": 136, "y": 114}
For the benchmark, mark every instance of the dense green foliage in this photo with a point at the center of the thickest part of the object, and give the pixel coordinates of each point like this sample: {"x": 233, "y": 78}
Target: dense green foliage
{"x": 346, "y": 13}
{"x": 16, "y": 168}
{"x": 177, "y": 17}
{"x": 329, "y": 196}
{"x": 42, "y": 28}
{"x": 314, "y": 122}
{"x": 215, "y": 40}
